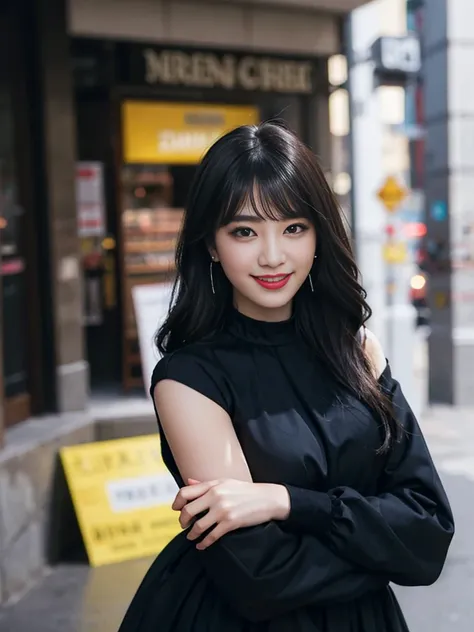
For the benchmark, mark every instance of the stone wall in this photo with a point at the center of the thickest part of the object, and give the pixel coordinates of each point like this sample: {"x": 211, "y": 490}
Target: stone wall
{"x": 37, "y": 524}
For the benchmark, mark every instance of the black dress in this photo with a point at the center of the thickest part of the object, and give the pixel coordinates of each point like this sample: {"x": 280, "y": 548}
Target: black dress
{"x": 358, "y": 520}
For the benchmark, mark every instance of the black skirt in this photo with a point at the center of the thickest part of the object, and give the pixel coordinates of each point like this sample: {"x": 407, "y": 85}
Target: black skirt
{"x": 176, "y": 595}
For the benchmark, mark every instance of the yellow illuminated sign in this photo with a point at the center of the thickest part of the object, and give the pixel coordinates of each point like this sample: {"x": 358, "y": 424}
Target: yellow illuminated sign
{"x": 392, "y": 194}
{"x": 177, "y": 133}
{"x": 122, "y": 495}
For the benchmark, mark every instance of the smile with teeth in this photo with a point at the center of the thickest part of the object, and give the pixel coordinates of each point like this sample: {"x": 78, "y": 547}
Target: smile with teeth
{"x": 276, "y": 279}
{"x": 273, "y": 282}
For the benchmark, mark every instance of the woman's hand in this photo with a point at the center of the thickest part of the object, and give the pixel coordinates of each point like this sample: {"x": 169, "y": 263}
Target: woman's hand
{"x": 230, "y": 504}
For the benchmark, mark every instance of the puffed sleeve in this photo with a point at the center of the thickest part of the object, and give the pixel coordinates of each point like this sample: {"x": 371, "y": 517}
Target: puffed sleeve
{"x": 403, "y": 532}
{"x": 264, "y": 571}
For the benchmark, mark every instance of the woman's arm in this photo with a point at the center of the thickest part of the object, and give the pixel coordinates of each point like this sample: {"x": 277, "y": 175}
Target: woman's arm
{"x": 215, "y": 507}
{"x": 403, "y": 532}
{"x": 261, "y": 571}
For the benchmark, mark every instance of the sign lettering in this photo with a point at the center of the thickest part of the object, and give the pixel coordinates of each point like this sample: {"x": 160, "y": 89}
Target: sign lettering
{"x": 397, "y": 56}
{"x": 210, "y": 70}
{"x": 176, "y": 133}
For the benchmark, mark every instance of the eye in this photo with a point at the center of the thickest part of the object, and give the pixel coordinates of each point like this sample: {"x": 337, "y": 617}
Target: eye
{"x": 294, "y": 229}
{"x": 242, "y": 232}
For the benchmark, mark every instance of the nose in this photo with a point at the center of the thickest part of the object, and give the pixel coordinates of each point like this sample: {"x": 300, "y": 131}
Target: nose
{"x": 272, "y": 254}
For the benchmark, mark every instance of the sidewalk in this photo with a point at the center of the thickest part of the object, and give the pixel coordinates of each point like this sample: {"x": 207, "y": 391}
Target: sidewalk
{"x": 449, "y": 605}
{"x": 76, "y": 598}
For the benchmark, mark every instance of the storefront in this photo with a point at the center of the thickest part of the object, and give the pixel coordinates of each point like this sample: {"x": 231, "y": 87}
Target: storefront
{"x": 19, "y": 310}
{"x": 145, "y": 116}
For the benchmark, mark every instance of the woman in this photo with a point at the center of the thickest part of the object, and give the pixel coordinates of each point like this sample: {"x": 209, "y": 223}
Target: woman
{"x": 306, "y": 485}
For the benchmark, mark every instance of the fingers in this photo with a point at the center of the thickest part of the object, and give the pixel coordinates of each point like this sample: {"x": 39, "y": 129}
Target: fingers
{"x": 201, "y": 526}
{"x": 192, "y": 509}
{"x": 220, "y": 530}
{"x": 191, "y": 492}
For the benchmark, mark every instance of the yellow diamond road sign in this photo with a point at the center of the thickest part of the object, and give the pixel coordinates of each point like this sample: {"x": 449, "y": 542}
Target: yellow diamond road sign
{"x": 391, "y": 193}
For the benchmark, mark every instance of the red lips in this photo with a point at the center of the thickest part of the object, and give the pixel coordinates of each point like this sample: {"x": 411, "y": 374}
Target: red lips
{"x": 273, "y": 281}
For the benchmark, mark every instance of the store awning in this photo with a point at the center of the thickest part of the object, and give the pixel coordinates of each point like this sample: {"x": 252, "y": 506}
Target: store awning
{"x": 332, "y": 6}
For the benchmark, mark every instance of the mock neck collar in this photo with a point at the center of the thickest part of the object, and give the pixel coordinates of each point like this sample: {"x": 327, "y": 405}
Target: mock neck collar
{"x": 261, "y": 331}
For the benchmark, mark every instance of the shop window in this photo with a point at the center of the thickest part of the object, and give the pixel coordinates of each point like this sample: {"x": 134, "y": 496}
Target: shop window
{"x": 12, "y": 275}
{"x": 151, "y": 224}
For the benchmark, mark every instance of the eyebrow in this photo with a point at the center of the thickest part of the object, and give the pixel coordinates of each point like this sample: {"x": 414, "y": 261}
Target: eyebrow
{"x": 254, "y": 218}
{"x": 247, "y": 218}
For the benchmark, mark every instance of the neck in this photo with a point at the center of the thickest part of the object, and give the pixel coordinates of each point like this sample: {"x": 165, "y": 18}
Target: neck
{"x": 258, "y": 312}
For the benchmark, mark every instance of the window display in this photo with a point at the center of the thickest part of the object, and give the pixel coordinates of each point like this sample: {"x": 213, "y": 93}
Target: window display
{"x": 150, "y": 226}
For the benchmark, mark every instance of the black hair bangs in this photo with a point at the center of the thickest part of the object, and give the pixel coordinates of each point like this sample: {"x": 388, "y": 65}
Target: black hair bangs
{"x": 267, "y": 195}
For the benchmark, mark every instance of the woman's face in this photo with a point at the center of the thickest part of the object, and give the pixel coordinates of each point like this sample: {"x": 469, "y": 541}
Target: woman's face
{"x": 266, "y": 261}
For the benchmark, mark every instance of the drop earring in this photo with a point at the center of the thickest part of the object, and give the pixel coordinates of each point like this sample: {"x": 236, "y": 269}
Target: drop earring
{"x": 211, "y": 275}
{"x": 310, "y": 279}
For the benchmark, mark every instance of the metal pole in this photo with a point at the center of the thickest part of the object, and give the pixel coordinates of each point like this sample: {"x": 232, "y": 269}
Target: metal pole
{"x": 366, "y": 168}
{"x": 350, "y": 140}
{"x": 2, "y": 393}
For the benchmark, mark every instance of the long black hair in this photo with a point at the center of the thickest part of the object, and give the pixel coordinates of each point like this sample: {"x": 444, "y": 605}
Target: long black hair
{"x": 269, "y": 162}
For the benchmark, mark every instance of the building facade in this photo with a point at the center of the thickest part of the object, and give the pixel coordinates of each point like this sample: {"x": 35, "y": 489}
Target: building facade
{"x": 386, "y": 232}
{"x": 145, "y": 115}
{"x": 30, "y": 327}
{"x": 85, "y": 70}
{"x": 89, "y": 208}
{"x": 448, "y": 109}
{"x": 198, "y": 68}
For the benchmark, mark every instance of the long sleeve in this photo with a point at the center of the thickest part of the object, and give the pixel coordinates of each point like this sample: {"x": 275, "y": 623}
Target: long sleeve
{"x": 405, "y": 531}
{"x": 263, "y": 572}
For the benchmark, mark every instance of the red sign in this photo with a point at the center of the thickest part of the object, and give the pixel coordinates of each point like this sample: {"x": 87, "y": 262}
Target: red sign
{"x": 90, "y": 199}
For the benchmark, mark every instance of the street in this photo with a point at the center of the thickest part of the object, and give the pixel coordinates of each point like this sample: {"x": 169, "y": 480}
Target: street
{"x": 75, "y": 598}
{"x": 134, "y": 134}
{"x": 449, "y": 604}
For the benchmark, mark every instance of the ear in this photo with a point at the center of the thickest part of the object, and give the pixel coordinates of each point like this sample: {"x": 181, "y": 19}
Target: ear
{"x": 213, "y": 254}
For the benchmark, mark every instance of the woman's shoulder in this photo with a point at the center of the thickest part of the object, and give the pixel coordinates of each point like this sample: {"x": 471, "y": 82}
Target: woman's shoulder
{"x": 195, "y": 365}
{"x": 191, "y": 356}
{"x": 373, "y": 350}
